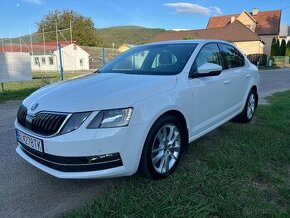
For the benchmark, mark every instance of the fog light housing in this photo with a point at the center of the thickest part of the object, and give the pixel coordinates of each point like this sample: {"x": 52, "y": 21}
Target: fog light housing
{"x": 104, "y": 158}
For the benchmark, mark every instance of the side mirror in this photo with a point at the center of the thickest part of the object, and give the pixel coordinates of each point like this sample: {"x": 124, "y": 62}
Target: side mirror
{"x": 209, "y": 69}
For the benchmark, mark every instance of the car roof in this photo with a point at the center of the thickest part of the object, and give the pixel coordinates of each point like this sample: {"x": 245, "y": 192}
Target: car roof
{"x": 197, "y": 41}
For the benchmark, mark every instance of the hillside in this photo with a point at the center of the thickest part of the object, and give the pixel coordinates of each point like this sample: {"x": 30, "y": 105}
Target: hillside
{"x": 118, "y": 35}
{"x": 127, "y": 34}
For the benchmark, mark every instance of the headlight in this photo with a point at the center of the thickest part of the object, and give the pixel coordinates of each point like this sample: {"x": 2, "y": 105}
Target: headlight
{"x": 111, "y": 118}
{"x": 74, "y": 122}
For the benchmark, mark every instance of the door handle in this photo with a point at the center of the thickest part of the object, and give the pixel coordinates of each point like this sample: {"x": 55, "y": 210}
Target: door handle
{"x": 227, "y": 82}
{"x": 248, "y": 75}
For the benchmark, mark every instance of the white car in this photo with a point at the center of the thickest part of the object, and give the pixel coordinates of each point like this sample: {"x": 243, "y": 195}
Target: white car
{"x": 138, "y": 112}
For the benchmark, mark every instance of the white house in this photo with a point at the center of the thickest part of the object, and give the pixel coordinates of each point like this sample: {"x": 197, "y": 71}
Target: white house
{"x": 74, "y": 58}
{"x": 284, "y": 32}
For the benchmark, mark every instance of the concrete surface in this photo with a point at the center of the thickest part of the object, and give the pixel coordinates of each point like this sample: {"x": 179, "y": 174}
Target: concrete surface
{"x": 273, "y": 81}
{"x": 27, "y": 192}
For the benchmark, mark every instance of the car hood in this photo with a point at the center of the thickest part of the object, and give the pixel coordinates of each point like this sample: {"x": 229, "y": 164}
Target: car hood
{"x": 97, "y": 92}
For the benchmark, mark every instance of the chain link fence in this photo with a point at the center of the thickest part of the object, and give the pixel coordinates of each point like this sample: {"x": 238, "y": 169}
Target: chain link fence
{"x": 49, "y": 57}
{"x": 281, "y": 61}
{"x": 51, "y": 51}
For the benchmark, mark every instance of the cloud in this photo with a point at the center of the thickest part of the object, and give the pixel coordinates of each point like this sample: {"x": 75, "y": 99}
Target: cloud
{"x": 189, "y": 8}
{"x": 36, "y": 2}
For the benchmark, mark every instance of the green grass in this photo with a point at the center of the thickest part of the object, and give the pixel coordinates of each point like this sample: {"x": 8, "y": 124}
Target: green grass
{"x": 20, "y": 90}
{"x": 239, "y": 170}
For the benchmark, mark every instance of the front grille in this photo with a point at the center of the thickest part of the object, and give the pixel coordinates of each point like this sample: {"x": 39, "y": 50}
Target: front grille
{"x": 45, "y": 124}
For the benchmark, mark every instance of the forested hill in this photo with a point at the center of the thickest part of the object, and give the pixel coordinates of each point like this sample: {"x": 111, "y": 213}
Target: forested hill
{"x": 126, "y": 35}
{"x": 118, "y": 35}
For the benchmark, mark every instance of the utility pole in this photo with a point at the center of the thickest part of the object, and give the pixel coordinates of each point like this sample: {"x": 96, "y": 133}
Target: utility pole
{"x": 60, "y": 61}
{"x": 20, "y": 42}
{"x": 71, "y": 34}
{"x": 56, "y": 34}
{"x": 31, "y": 49}
{"x": 43, "y": 38}
{"x": 10, "y": 42}
{"x": 58, "y": 47}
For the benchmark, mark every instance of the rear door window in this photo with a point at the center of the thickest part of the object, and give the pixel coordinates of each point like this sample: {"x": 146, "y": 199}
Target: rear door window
{"x": 232, "y": 56}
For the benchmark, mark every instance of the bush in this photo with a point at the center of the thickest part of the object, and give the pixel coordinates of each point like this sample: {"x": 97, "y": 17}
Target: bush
{"x": 273, "y": 47}
{"x": 283, "y": 48}
{"x": 288, "y": 49}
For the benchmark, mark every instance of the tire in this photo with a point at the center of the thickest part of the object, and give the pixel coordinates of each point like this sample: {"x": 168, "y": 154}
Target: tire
{"x": 249, "y": 109}
{"x": 163, "y": 148}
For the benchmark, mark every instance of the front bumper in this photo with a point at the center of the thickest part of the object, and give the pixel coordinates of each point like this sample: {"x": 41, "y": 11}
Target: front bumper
{"x": 88, "y": 153}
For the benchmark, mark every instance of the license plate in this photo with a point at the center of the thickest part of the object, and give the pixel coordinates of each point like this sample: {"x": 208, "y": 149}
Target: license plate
{"x": 29, "y": 141}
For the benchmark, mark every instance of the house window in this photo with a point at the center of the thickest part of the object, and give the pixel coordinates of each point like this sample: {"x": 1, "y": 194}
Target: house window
{"x": 50, "y": 60}
{"x": 43, "y": 60}
{"x": 81, "y": 62}
{"x": 36, "y": 61}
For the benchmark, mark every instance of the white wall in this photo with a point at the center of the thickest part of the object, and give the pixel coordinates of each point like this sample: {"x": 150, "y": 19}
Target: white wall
{"x": 15, "y": 66}
{"x": 74, "y": 58}
{"x": 44, "y": 63}
{"x": 283, "y": 30}
{"x": 267, "y": 39}
{"x": 254, "y": 47}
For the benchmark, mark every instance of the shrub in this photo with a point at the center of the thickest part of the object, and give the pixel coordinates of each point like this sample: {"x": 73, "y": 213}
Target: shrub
{"x": 283, "y": 48}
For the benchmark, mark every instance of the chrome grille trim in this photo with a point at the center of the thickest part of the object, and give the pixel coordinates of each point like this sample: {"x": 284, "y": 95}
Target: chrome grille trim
{"x": 43, "y": 124}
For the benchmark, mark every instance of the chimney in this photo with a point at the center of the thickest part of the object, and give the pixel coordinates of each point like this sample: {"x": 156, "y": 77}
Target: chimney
{"x": 255, "y": 11}
{"x": 233, "y": 18}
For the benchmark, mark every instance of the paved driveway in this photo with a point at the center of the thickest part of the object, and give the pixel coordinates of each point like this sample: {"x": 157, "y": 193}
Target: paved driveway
{"x": 28, "y": 192}
{"x": 274, "y": 81}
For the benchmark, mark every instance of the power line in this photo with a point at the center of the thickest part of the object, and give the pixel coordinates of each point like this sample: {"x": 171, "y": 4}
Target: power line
{"x": 285, "y": 7}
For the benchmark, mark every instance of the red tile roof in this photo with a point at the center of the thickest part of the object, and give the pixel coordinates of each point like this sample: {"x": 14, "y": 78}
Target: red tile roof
{"x": 35, "y": 47}
{"x": 268, "y": 22}
{"x": 234, "y": 32}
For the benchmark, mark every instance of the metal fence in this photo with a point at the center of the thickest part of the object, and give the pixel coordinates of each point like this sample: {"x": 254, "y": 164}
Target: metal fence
{"x": 258, "y": 59}
{"x": 51, "y": 51}
{"x": 264, "y": 60}
{"x": 281, "y": 61}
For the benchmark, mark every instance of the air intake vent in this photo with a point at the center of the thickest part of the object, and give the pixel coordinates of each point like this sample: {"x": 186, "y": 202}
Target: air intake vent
{"x": 45, "y": 124}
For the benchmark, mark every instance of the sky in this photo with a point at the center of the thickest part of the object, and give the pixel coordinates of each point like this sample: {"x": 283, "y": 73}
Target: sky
{"x": 18, "y": 17}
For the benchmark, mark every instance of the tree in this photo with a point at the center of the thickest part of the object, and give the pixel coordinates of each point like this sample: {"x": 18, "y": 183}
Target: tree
{"x": 189, "y": 37}
{"x": 278, "y": 47}
{"x": 83, "y": 28}
{"x": 283, "y": 48}
{"x": 288, "y": 49}
{"x": 273, "y": 47}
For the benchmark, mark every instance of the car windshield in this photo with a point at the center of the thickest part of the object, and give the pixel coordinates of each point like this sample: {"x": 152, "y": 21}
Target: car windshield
{"x": 161, "y": 59}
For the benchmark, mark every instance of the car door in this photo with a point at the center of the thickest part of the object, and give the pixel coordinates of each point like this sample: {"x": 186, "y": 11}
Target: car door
{"x": 235, "y": 68}
{"x": 210, "y": 93}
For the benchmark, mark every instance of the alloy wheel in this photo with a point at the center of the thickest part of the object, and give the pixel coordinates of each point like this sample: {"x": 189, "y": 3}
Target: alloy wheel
{"x": 251, "y": 106}
{"x": 166, "y": 148}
